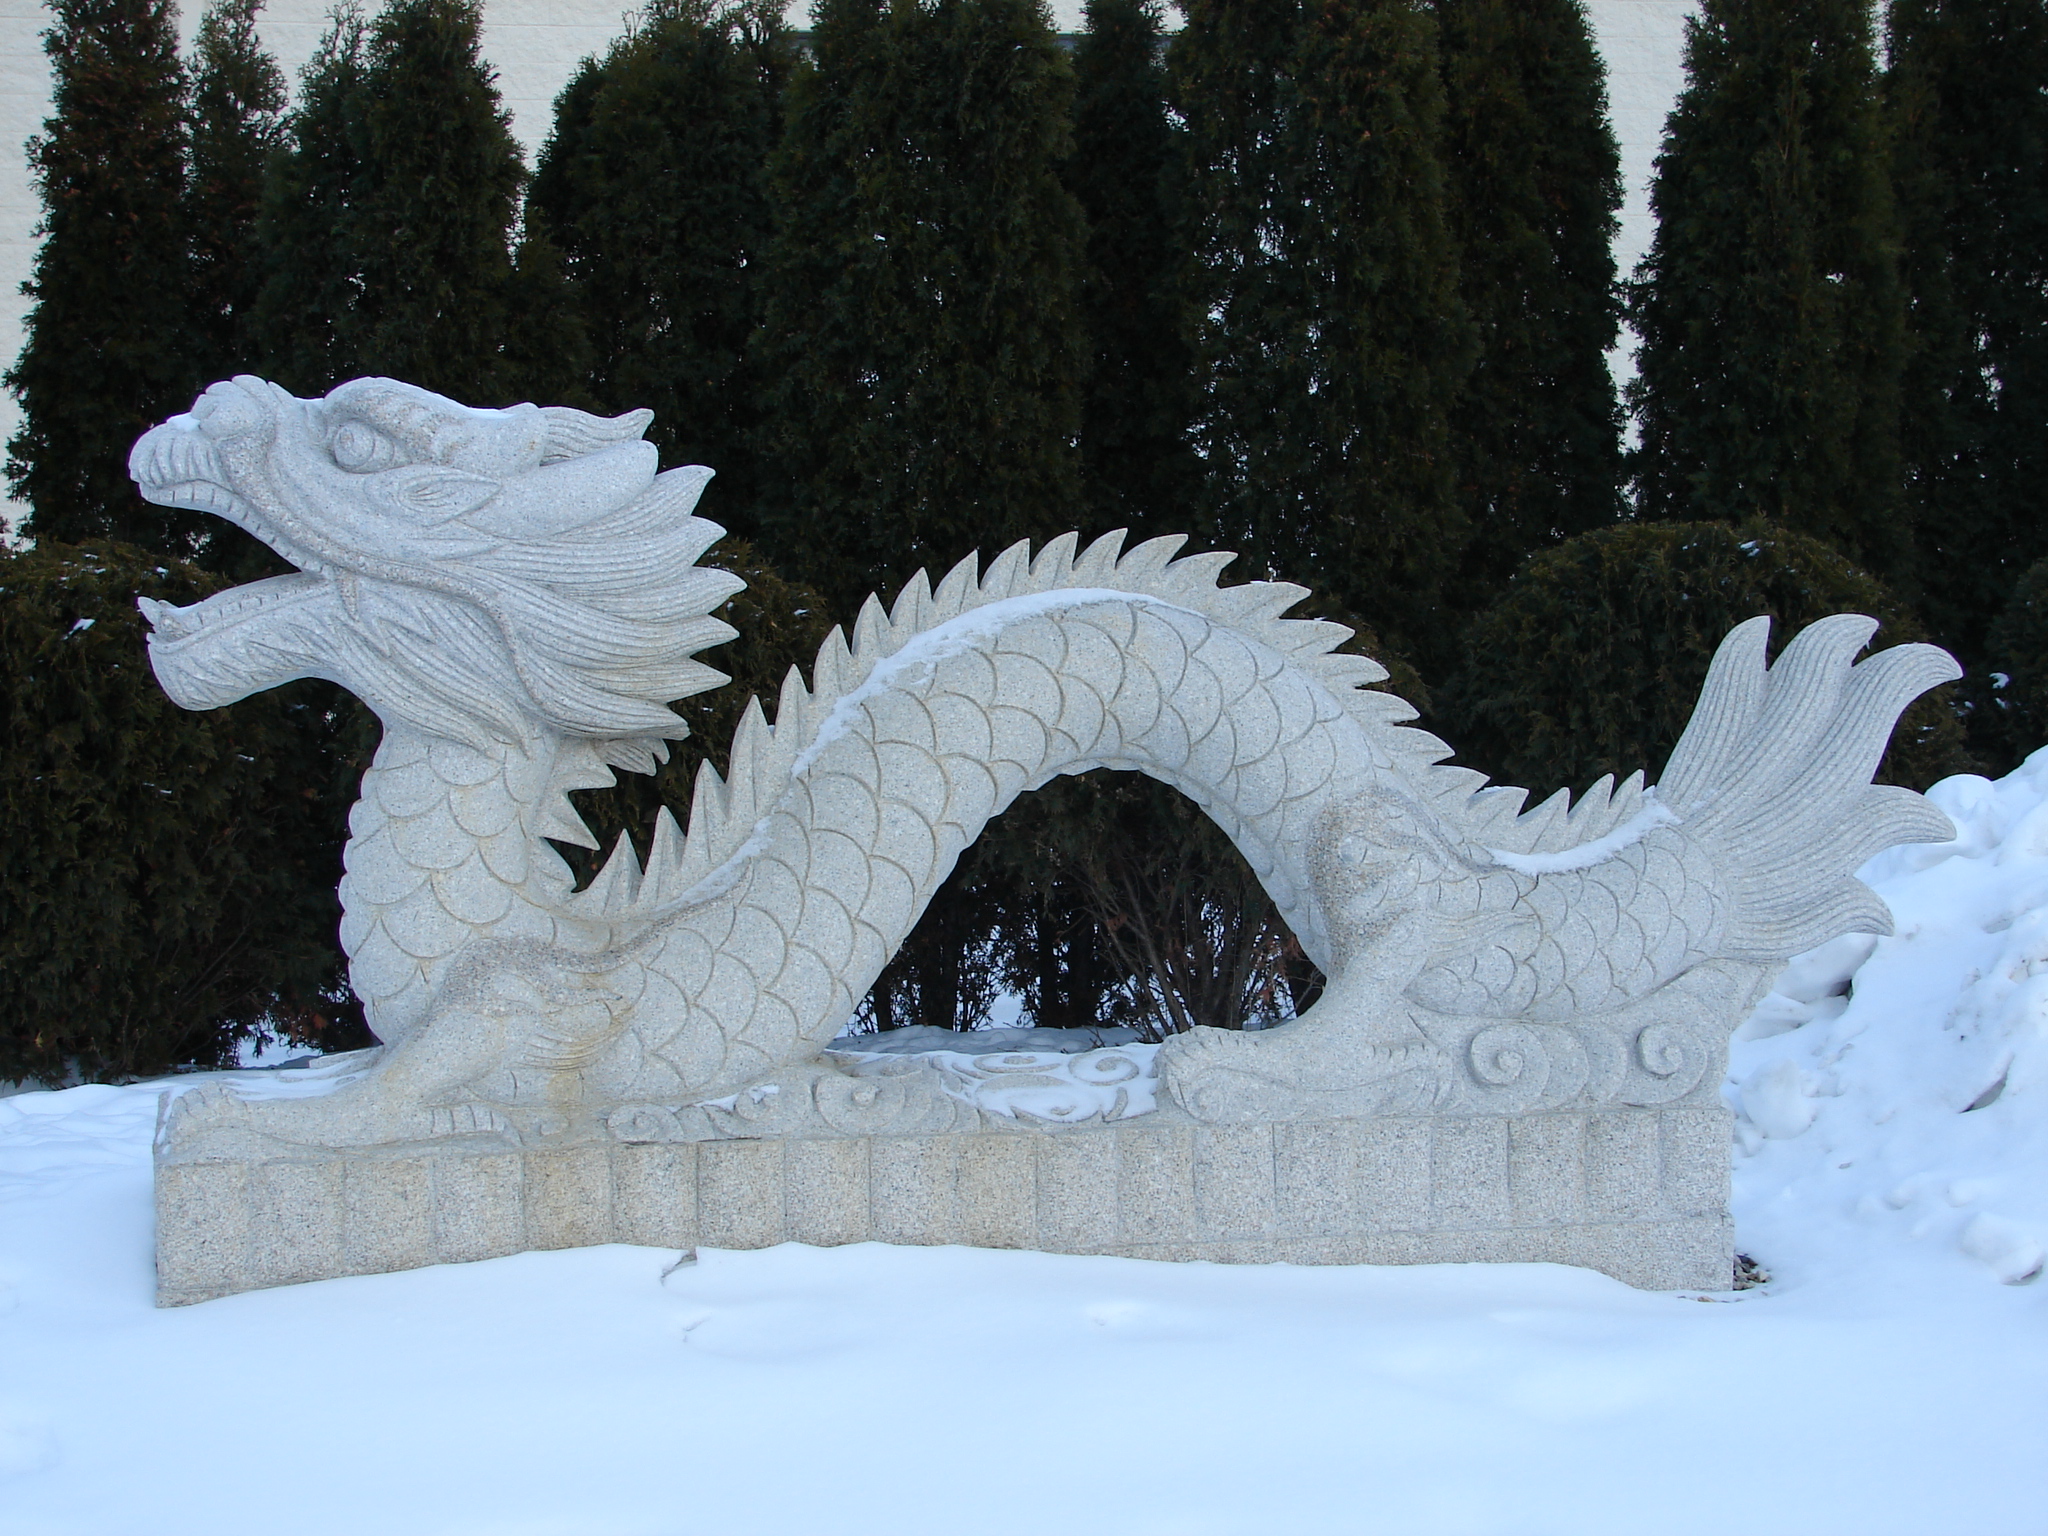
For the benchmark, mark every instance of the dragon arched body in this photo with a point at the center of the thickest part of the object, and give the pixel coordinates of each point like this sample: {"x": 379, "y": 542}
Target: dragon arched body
{"x": 516, "y": 594}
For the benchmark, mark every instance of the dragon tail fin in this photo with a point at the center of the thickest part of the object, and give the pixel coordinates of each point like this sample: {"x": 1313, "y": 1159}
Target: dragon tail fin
{"x": 1772, "y": 777}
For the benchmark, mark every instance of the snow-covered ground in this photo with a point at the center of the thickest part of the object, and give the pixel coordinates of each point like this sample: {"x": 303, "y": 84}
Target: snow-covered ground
{"x": 1891, "y": 1378}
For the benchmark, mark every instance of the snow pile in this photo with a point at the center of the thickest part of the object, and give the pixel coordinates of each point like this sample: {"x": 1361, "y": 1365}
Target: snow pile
{"x": 1895, "y": 1091}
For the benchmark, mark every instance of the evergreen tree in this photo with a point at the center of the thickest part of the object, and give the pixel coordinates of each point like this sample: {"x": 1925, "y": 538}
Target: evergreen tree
{"x": 654, "y": 188}
{"x": 430, "y": 215}
{"x": 109, "y": 349}
{"x": 237, "y": 124}
{"x": 303, "y": 321}
{"x": 1593, "y": 660}
{"x": 2012, "y": 712}
{"x": 1332, "y": 336}
{"x": 388, "y": 225}
{"x": 1137, "y": 464}
{"x": 1968, "y": 96}
{"x": 1769, "y": 306}
{"x": 1535, "y": 178}
{"x": 920, "y": 347}
{"x": 167, "y": 888}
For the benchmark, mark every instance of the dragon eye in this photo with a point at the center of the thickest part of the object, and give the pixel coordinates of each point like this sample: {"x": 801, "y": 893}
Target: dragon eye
{"x": 359, "y": 448}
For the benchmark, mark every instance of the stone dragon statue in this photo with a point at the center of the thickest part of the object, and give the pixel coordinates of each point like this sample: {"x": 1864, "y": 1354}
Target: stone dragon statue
{"x": 516, "y": 594}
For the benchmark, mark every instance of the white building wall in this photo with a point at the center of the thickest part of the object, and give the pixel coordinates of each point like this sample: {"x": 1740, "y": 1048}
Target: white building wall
{"x": 535, "y": 44}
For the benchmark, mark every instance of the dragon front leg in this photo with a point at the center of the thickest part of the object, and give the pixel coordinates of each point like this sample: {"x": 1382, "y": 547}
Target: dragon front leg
{"x": 507, "y": 1057}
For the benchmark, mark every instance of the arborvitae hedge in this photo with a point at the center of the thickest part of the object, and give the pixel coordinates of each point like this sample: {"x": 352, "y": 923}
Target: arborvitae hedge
{"x": 1593, "y": 660}
{"x": 388, "y": 226}
{"x": 1332, "y": 337}
{"x": 167, "y": 878}
{"x": 1968, "y": 96}
{"x": 2018, "y": 705}
{"x": 921, "y": 352}
{"x": 1535, "y": 177}
{"x": 110, "y": 348}
{"x": 238, "y": 100}
{"x": 1769, "y": 306}
{"x": 430, "y": 217}
{"x": 654, "y": 188}
{"x": 1138, "y": 467}
{"x": 303, "y": 321}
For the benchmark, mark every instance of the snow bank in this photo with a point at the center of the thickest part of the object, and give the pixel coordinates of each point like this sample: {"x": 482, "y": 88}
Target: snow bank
{"x": 1895, "y": 1091}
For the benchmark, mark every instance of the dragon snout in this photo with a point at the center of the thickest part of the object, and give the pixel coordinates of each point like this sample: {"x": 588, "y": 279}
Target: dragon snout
{"x": 176, "y": 453}
{"x": 234, "y": 408}
{"x": 179, "y": 463}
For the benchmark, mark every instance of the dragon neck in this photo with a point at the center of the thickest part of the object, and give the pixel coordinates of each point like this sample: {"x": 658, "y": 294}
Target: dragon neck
{"x": 448, "y": 844}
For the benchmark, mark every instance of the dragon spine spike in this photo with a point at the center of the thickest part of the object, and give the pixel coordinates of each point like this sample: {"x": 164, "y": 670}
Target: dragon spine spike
{"x": 617, "y": 885}
{"x": 1307, "y": 639}
{"x": 1539, "y": 828}
{"x": 1343, "y": 669}
{"x": 1150, "y": 558}
{"x": 1593, "y": 806}
{"x": 664, "y": 859}
{"x": 834, "y": 676}
{"x": 1055, "y": 563}
{"x": 707, "y": 812}
{"x": 748, "y": 764}
{"x": 793, "y": 707}
{"x": 950, "y": 599}
{"x": 1098, "y": 561}
{"x": 1201, "y": 575}
{"x": 870, "y": 629}
{"x": 1008, "y": 574}
{"x": 912, "y": 611}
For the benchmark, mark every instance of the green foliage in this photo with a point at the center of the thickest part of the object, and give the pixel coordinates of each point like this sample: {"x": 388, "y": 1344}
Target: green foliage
{"x": 167, "y": 879}
{"x": 388, "y": 223}
{"x": 1535, "y": 177}
{"x": 654, "y": 188}
{"x": 1593, "y": 660}
{"x": 430, "y": 214}
{"x": 109, "y": 167}
{"x": 1137, "y": 465}
{"x": 1769, "y": 306}
{"x": 2019, "y": 638}
{"x": 302, "y": 317}
{"x": 1333, "y": 340}
{"x": 921, "y": 351}
{"x": 238, "y": 101}
{"x": 1968, "y": 97}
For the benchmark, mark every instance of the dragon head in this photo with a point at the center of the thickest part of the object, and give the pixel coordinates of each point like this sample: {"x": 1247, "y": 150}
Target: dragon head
{"x": 476, "y": 574}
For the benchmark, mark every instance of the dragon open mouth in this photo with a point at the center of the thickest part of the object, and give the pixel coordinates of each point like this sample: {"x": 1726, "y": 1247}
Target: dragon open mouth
{"x": 173, "y": 627}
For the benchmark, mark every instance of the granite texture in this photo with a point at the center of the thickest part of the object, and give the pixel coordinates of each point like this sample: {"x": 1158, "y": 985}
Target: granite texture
{"x": 1636, "y": 1193}
{"x": 1489, "y": 968}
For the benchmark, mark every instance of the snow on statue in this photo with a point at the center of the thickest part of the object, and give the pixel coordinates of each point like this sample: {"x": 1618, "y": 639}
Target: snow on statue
{"x": 516, "y": 594}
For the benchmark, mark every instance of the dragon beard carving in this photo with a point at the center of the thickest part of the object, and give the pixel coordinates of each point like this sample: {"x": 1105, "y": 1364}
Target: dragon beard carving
{"x": 516, "y": 594}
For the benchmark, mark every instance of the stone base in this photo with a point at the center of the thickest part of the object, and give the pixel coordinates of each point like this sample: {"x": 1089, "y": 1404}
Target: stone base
{"x": 1639, "y": 1194}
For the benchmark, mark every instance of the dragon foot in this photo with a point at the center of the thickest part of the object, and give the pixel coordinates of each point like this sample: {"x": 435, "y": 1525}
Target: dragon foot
{"x": 216, "y": 1121}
